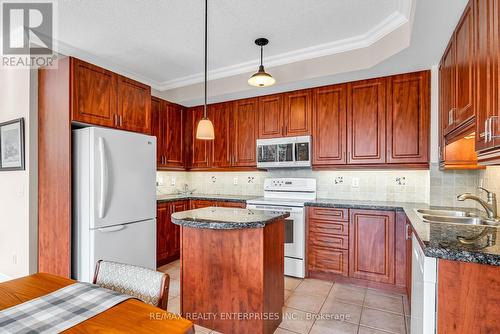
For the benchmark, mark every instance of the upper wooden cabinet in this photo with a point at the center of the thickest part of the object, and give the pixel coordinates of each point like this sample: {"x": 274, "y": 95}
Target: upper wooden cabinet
{"x": 244, "y": 132}
{"x": 94, "y": 94}
{"x": 101, "y": 97}
{"x": 157, "y": 129}
{"x": 271, "y": 120}
{"x": 219, "y": 114}
{"x": 366, "y": 123}
{"x": 200, "y": 150}
{"x": 372, "y": 245}
{"x": 408, "y": 118}
{"x": 329, "y": 125}
{"x": 298, "y": 113}
{"x": 447, "y": 81}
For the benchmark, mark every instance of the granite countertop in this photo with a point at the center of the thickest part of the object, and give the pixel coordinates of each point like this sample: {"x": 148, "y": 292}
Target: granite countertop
{"x": 226, "y": 218}
{"x": 222, "y": 198}
{"x": 437, "y": 240}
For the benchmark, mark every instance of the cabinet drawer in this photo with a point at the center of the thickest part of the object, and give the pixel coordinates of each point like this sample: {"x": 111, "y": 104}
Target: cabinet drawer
{"x": 328, "y": 227}
{"x": 329, "y": 240}
{"x": 329, "y": 214}
{"x": 333, "y": 261}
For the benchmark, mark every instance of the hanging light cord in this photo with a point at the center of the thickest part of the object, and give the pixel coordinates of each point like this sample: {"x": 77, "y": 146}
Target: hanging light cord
{"x": 261, "y": 54}
{"x": 206, "y": 56}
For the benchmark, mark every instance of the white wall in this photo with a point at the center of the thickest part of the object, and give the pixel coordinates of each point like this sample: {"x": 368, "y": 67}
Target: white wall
{"x": 18, "y": 201}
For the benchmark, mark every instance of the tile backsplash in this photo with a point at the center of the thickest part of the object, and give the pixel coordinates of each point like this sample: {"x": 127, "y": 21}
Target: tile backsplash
{"x": 446, "y": 185}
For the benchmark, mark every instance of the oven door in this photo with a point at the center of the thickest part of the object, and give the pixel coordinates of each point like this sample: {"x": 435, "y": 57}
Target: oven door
{"x": 294, "y": 228}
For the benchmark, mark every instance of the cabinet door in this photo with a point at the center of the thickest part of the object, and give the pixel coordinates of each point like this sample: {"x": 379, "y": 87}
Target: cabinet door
{"x": 366, "y": 122}
{"x": 219, "y": 115}
{"x": 464, "y": 60}
{"x": 328, "y": 260}
{"x": 134, "y": 106}
{"x": 298, "y": 113}
{"x": 329, "y": 125}
{"x": 408, "y": 116}
{"x": 271, "y": 122}
{"x": 200, "y": 149}
{"x": 447, "y": 89}
{"x": 199, "y": 204}
{"x": 372, "y": 244}
{"x": 162, "y": 232}
{"x": 94, "y": 94}
{"x": 156, "y": 130}
{"x": 244, "y": 132}
{"x": 484, "y": 37}
{"x": 175, "y": 247}
{"x": 174, "y": 134}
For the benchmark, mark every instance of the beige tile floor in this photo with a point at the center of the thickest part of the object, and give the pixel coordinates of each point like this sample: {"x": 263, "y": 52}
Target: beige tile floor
{"x": 321, "y": 307}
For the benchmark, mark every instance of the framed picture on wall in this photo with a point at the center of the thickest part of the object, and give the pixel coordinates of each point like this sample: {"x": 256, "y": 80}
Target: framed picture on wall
{"x": 12, "y": 145}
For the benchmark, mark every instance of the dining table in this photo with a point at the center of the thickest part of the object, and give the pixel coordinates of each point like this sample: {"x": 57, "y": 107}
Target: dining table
{"x": 130, "y": 316}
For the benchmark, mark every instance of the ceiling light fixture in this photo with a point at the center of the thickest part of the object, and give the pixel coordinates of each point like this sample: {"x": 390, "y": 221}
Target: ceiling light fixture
{"x": 205, "y": 128}
{"x": 261, "y": 78}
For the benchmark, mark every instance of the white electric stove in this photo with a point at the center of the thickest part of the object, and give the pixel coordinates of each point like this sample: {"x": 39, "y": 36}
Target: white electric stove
{"x": 289, "y": 195}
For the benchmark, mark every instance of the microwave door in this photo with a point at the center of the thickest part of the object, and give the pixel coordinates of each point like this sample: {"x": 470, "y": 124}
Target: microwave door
{"x": 285, "y": 153}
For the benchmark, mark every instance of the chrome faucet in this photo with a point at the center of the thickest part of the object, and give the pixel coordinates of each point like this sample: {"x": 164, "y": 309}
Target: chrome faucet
{"x": 490, "y": 205}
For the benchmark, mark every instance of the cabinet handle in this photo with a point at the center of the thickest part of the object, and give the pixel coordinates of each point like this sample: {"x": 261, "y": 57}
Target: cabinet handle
{"x": 407, "y": 236}
{"x": 115, "y": 118}
{"x": 121, "y": 120}
{"x": 486, "y": 131}
{"x": 450, "y": 116}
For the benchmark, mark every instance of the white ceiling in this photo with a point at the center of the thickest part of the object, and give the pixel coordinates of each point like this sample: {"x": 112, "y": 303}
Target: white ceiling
{"x": 311, "y": 41}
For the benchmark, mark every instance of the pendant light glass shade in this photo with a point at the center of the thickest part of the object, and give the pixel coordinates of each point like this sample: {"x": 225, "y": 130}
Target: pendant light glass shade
{"x": 261, "y": 78}
{"x": 205, "y": 130}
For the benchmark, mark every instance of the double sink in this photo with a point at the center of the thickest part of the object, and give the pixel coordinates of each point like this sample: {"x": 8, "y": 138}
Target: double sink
{"x": 454, "y": 217}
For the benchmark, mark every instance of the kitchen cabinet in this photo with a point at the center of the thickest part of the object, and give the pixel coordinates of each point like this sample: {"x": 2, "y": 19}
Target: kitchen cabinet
{"x": 366, "y": 122}
{"x": 168, "y": 126}
{"x": 244, "y": 132}
{"x": 219, "y": 114}
{"x": 271, "y": 120}
{"x": 104, "y": 98}
{"x": 201, "y": 203}
{"x": 200, "y": 150}
{"x": 372, "y": 243}
{"x": 298, "y": 113}
{"x": 134, "y": 106}
{"x": 408, "y": 123}
{"x": 329, "y": 125}
{"x": 167, "y": 233}
{"x": 447, "y": 89}
{"x": 223, "y": 204}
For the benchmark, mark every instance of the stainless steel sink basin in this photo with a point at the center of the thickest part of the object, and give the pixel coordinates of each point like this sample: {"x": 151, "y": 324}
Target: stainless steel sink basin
{"x": 454, "y": 220}
{"x": 446, "y": 213}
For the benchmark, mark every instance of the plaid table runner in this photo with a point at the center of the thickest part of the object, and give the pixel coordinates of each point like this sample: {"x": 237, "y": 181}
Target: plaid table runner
{"x": 59, "y": 310}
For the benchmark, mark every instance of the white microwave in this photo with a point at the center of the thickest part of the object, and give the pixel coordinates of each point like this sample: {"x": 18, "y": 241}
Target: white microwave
{"x": 284, "y": 152}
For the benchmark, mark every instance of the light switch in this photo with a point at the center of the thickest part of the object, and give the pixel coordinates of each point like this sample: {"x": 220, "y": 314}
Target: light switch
{"x": 355, "y": 182}
{"x": 235, "y": 180}
{"x": 172, "y": 181}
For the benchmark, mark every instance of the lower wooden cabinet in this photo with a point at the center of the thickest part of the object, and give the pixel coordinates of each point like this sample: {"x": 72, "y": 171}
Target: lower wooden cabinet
{"x": 201, "y": 203}
{"x": 366, "y": 247}
{"x": 167, "y": 233}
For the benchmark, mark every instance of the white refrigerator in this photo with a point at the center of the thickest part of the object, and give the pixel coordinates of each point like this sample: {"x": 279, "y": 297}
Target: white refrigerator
{"x": 114, "y": 199}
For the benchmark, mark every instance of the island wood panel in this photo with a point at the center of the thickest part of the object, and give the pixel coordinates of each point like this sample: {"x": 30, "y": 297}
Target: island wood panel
{"x": 200, "y": 149}
{"x": 408, "y": 115}
{"x": 94, "y": 92}
{"x": 372, "y": 245}
{"x": 366, "y": 124}
{"x": 220, "y": 147}
{"x": 215, "y": 267}
{"x": 271, "y": 120}
{"x": 174, "y": 135}
{"x": 54, "y": 170}
{"x": 244, "y": 132}
{"x": 464, "y": 64}
{"x": 329, "y": 125}
{"x": 468, "y": 298}
{"x": 130, "y": 316}
{"x": 134, "y": 105}
{"x": 298, "y": 113}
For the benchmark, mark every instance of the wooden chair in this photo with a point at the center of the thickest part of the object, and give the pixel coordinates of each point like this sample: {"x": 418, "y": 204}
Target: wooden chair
{"x": 148, "y": 285}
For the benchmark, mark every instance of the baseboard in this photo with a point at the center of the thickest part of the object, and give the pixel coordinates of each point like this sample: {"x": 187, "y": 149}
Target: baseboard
{"x": 4, "y": 278}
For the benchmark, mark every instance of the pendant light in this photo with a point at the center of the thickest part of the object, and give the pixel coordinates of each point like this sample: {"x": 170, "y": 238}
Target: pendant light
{"x": 205, "y": 129}
{"x": 261, "y": 78}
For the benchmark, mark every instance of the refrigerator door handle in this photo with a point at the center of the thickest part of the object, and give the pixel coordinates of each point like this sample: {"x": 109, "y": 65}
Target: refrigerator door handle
{"x": 104, "y": 178}
{"x": 111, "y": 229}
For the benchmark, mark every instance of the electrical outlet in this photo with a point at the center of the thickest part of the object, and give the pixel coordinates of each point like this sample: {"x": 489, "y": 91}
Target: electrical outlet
{"x": 338, "y": 180}
{"x": 213, "y": 179}
{"x": 159, "y": 181}
{"x": 355, "y": 182}
{"x": 235, "y": 180}
{"x": 172, "y": 181}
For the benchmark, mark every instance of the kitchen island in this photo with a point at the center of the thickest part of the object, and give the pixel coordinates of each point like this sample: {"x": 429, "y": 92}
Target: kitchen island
{"x": 232, "y": 263}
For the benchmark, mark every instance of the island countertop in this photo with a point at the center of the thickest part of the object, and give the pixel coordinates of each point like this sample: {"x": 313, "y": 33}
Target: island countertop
{"x": 217, "y": 218}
